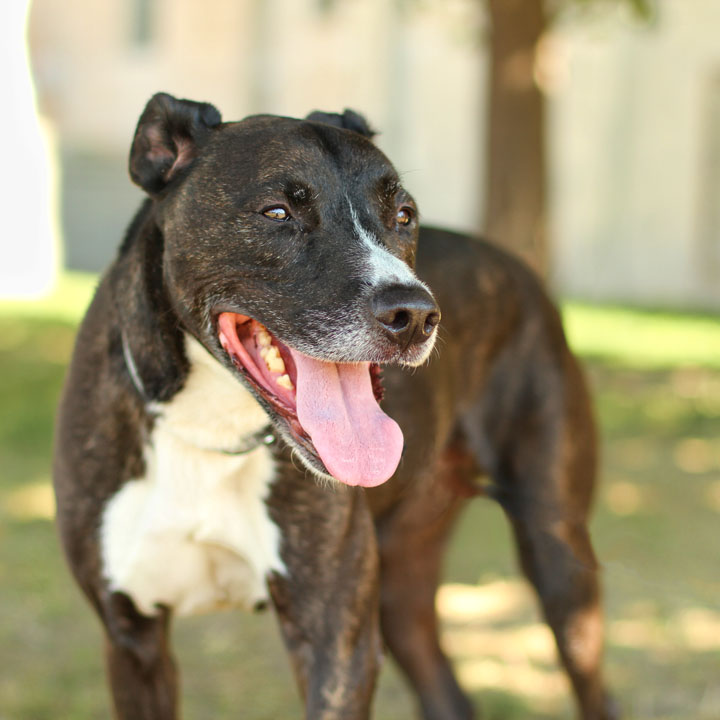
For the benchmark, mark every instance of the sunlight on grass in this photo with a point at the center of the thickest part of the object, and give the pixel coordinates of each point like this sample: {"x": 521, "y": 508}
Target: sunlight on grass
{"x": 494, "y": 601}
{"x": 496, "y": 647}
{"x": 713, "y": 495}
{"x": 700, "y": 628}
{"x": 67, "y": 301}
{"x": 693, "y": 629}
{"x": 485, "y": 630}
{"x": 546, "y": 689}
{"x": 638, "y": 338}
{"x": 34, "y": 501}
{"x": 624, "y": 498}
{"x": 642, "y": 338}
{"x": 696, "y": 456}
{"x": 647, "y": 633}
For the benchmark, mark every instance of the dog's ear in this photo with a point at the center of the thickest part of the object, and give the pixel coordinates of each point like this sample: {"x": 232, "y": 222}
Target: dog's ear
{"x": 349, "y": 120}
{"x": 167, "y": 139}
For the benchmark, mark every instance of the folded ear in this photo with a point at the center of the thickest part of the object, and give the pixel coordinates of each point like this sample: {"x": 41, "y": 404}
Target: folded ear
{"x": 167, "y": 139}
{"x": 349, "y": 120}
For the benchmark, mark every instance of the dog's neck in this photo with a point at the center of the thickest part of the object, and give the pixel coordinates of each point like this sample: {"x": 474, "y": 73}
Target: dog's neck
{"x": 195, "y": 414}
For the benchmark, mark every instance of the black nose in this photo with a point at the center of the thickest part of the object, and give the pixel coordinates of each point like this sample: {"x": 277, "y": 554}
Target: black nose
{"x": 407, "y": 314}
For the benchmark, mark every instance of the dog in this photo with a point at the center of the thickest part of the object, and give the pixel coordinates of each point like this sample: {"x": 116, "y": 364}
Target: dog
{"x": 220, "y": 441}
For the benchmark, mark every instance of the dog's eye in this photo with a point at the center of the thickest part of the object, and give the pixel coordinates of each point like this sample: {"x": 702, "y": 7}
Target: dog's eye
{"x": 404, "y": 216}
{"x": 277, "y": 213}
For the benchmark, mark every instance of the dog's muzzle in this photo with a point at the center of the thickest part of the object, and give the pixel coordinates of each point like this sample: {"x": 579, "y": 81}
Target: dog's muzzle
{"x": 328, "y": 410}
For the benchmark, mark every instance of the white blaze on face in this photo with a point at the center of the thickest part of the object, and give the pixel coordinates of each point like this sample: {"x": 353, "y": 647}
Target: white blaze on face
{"x": 383, "y": 269}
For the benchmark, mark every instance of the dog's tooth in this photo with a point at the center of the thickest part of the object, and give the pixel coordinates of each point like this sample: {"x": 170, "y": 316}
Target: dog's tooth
{"x": 284, "y": 381}
{"x": 276, "y": 365}
{"x": 273, "y": 360}
{"x": 263, "y": 339}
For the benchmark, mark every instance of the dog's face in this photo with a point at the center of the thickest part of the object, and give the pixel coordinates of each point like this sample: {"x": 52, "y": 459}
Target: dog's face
{"x": 288, "y": 252}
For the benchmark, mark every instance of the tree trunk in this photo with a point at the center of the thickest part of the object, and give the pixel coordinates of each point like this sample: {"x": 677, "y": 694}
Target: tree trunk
{"x": 515, "y": 199}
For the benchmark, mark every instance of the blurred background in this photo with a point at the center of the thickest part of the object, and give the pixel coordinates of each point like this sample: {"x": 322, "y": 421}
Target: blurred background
{"x": 583, "y": 135}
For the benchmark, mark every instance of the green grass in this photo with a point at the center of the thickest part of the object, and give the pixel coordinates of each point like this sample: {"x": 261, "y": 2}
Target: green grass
{"x": 631, "y": 336}
{"x": 66, "y": 302}
{"x": 657, "y": 385}
{"x": 643, "y": 338}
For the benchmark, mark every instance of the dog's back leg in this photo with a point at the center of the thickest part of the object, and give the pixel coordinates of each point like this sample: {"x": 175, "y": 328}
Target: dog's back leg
{"x": 412, "y": 541}
{"x": 545, "y": 476}
{"x": 141, "y": 670}
{"x": 557, "y": 557}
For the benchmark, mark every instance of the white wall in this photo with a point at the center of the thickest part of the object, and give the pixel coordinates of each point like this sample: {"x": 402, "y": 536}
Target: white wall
{"x": 29, "y": 246}
{"x": 629, "y": 136}
{"x": 631, "y": 204}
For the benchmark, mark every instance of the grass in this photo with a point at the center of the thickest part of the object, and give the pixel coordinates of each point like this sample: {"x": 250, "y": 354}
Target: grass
{"x": 643, "y": 338}
{"x": 657, "y": 385}
{"x": 631, "y": 336}
{"x": 66, "y": 303}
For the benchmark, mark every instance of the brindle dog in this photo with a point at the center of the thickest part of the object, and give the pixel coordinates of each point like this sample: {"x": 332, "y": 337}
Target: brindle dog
{"x": 230, "y": 360}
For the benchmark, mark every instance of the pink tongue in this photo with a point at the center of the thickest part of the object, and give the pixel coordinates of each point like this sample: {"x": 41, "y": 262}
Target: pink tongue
{"x": 357, "y": 441}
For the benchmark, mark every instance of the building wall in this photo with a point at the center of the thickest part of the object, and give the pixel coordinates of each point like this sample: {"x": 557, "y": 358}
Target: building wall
{"x": 417, "y": 78}
{"x": 635, "y": 174}
{"x": 636, "y": 183}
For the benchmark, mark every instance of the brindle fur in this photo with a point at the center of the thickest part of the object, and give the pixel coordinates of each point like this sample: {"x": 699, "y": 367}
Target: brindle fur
{"x": 501, "y": 396}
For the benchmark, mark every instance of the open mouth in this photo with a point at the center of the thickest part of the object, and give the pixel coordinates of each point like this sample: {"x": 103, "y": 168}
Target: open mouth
{"x": 330, "y": 409}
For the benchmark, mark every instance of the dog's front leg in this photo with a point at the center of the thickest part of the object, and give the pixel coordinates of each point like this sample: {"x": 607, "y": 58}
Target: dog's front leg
{"x": 327, "y": 600}
{"x": 141, "y": 670}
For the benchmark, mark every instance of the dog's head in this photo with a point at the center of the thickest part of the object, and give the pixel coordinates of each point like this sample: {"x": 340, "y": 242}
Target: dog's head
{"x": 288, "y": 253}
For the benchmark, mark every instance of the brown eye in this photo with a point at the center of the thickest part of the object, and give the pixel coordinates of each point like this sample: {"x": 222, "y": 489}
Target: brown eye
{"x": 404, "y": 216}
{"x": 277, "y": 213}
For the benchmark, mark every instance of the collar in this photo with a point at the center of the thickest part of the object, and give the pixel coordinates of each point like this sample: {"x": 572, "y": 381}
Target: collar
{"x": 261, "y": 437}
{"x": 264, "y": 436}
{"x": 132, "y": 368}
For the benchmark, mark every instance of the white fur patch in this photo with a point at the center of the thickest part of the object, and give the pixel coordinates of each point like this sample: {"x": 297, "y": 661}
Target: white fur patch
{"x": 383, "y": 268}
{"x": 214, "y": 410}
{"x": 194, "y": 533}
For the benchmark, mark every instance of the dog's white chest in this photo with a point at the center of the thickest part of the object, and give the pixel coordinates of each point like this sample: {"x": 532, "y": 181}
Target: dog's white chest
{"x": 194, "y": 533}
